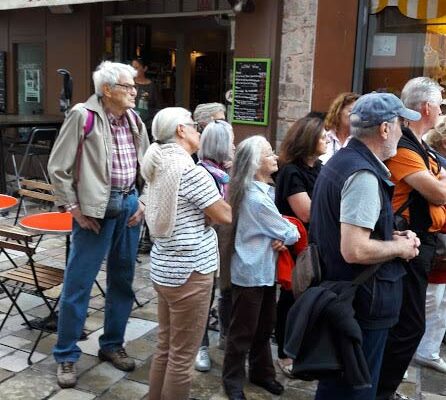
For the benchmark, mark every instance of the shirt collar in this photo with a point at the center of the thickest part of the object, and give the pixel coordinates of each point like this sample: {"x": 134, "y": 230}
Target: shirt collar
{"x": 331, "y": 135}
{"x": 114, "y": 120}
{"x": 262, "y": 186}
{"x": 383, "y": 167}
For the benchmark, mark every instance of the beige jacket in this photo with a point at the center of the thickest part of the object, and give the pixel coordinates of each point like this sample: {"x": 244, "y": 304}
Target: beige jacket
{"x": 87, "y": 179}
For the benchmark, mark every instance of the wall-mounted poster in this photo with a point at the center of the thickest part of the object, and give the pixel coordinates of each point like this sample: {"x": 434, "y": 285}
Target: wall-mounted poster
{"x": 32, "y": 85}
{"x": 250, "y": 89}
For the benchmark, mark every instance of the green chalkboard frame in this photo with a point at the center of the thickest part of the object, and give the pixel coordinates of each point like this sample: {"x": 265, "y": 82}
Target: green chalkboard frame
{"x": 265, "y": 120}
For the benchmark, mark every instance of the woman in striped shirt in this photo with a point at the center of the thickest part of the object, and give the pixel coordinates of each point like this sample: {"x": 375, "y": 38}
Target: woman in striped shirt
{"x": 182, "y": 198}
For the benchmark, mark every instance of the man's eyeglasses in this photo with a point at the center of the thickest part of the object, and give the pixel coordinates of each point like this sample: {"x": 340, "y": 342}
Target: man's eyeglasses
{"x": 194, "y": 124}
{"x": 218, "y": 120}
{"x": 127, "y": 87}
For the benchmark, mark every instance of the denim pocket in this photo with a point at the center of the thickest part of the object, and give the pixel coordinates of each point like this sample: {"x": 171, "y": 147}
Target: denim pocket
{"x": 114, "y": 205}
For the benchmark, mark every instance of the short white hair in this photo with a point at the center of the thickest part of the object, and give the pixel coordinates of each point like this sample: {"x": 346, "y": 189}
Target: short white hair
{"x": 420, "y": 90}
{"x": 204, "y": 113}
{"x": 358, "y": 131}
{"x": 216, "y": 142}
{"x": 109, "y": 73}
{"x": 166, "y": 121}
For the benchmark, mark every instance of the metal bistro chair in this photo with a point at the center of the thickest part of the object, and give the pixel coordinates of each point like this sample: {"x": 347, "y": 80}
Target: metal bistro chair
{"x": 32, "y": 278}
{"x": 39, "y": 143}
{"x": 36, "y": 191}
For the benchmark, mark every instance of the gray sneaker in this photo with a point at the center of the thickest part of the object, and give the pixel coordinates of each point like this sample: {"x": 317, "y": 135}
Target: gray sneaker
{"x": 118, "y": 358}
{"x": 66, "y": 375}
{"x": 202, "y": 360}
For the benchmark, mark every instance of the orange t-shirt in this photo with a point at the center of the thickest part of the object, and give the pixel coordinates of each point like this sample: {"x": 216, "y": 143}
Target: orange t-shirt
{"x": 405, "y": 163}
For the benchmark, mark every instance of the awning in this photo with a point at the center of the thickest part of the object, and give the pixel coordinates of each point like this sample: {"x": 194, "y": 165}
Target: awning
{"x": 11, "y": 4}
{"x": 419, "y": 9}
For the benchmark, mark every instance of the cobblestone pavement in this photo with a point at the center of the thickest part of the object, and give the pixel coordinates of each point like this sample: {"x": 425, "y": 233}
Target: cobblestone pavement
{"x": 98, "y": 380}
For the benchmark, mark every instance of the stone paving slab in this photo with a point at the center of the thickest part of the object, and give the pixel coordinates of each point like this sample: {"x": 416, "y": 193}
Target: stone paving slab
{"x": 135, "y": 328}
{"x": 432, "y": 396}
{"x": 14, "y": 341}
{"x": 73, "y": 394}
{"x": 126, "y": 389}
{"x": 30, "y": 385}
{"x": 141, "y": 372}
{"x": 100, "y": 378}
{"x": 18, "y": 360}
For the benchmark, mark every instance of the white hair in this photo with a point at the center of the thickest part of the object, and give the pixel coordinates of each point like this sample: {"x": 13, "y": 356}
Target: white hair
{"x": 166, "y": 121}
{"x": 109, "y": 73}
{"x": 420, "y": 90}
{"x": 358, "y": 131}
{"x": 204, "y": 113}
{"x": 246, "y": 163}
{"x": 216, "y": 142}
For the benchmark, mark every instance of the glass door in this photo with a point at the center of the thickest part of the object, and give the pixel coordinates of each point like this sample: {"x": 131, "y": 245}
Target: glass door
{"x": 29, "y": 64}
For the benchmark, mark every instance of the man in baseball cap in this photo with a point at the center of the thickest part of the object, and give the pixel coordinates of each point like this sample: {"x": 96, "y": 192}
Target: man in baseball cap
{"x": 352, "y": 226}
{"x": 374, "y": 108}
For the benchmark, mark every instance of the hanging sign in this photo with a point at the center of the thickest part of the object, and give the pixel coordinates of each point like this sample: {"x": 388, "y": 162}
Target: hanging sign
{"x": 250, "y": 89}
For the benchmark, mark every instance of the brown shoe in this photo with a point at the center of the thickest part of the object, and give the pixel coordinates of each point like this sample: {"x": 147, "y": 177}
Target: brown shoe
{"x": 118, "y": 358}
{"x": 66, "y": 375}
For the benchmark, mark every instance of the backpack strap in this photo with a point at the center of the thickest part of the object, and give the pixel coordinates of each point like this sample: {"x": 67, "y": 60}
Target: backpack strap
{"x": 88, "y": 127}
{"x": 89, "y": 122}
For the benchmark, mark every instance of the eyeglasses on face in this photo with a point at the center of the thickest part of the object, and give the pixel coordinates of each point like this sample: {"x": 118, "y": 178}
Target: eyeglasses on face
{"x": 128, "y": 88}
{"x": 193, "y": 124}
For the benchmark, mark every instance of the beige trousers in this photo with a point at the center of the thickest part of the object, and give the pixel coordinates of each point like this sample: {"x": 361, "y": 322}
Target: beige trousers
{"x": 182, "y": 316}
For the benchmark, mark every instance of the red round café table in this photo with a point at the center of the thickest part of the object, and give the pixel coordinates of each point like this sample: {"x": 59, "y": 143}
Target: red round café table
{"x": 55, "y": 223}
{"x": 7, "y": 202}
{"x": 48, "y": 223}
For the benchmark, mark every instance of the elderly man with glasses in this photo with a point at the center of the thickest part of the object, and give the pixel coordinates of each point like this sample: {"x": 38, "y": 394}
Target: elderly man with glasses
{"x": 419, "y": 199}
{"x": 94, "y": 167}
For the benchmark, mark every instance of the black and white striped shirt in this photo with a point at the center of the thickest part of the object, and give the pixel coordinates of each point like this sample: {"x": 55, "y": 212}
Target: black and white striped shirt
{"x": 192, "y": 245}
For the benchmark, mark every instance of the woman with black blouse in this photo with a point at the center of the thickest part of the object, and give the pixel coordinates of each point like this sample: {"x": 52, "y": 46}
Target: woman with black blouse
{"x": 299, "y": 164}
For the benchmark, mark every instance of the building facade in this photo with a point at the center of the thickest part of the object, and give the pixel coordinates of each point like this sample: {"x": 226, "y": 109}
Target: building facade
{"x": 316, "y": 48}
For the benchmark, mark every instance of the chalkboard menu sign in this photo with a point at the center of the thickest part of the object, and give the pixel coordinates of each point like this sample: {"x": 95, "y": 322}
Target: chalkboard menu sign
{"x": 250, "y": 88}
{"x": 2, "y": 82}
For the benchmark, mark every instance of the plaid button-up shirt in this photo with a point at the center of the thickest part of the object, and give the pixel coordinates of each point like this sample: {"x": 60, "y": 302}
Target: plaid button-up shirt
{"x": 124, "y": 158}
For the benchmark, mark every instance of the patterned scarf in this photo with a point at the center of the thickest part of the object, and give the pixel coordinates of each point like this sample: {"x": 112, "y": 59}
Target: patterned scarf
{"x": 218, "y": 173}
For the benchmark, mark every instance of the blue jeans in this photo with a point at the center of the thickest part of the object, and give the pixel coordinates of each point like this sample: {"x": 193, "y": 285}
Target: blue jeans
{"x": 87, "y": 252}
{"x": 373, "y": 344}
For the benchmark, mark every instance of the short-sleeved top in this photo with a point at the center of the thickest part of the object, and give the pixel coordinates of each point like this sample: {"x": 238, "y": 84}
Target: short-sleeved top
{"x": 407, "y": 162}
{"x": 193, "y": 244}
{"x": 361, "y": 200}
{"x": 293, "y": 179}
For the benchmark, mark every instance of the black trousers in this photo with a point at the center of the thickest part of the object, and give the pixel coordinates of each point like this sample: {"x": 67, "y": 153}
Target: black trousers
{"x": 205, "y": 340}
{"x": 286, "y": 301}
{"x": 224, "y": 311}
{"x": 405, "y": 336}
{"x": 252, "y": 323}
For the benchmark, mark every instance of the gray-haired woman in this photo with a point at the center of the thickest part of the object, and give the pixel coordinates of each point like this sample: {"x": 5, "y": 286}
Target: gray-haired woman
{"x": 259, "y": 231}
{"x": 181, "y": 197}
{"x": 216, "y": 152}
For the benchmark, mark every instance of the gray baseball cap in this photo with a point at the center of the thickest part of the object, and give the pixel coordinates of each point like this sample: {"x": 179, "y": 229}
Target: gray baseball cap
{"x": 376, "y": 108}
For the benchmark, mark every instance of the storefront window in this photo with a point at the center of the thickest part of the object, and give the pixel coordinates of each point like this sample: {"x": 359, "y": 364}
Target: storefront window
{"x": 30, "y": 61}
{"x": 400, "y": 48}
